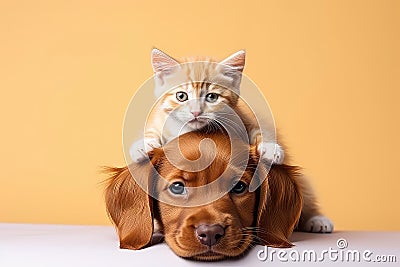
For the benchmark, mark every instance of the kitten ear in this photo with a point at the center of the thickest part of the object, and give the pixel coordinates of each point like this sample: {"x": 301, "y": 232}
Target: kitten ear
{"x": 235, "y": 61}
{"x": 232, "y": 68}
{"x": 161, "y": 61}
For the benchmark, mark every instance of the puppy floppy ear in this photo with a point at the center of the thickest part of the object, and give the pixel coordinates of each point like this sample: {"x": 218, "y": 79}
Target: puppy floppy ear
{"x": 129, "y": 206}
{"x": 279, "y": 206}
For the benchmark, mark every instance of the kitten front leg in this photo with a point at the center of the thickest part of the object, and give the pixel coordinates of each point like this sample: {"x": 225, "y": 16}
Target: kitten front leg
{"x": 268, "y": 150}
{"x": 142, "y": 147}
{"x": 271, "y": 151}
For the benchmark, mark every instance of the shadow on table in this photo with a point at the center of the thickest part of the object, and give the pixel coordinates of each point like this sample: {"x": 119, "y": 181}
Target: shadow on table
{"x": 301, "y": 236}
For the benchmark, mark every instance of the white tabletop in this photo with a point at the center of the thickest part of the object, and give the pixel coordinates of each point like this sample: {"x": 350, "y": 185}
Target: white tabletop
{"x": 67, "y": 245}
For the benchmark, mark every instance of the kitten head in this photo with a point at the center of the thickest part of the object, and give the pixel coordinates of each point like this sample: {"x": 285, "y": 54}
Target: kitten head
{"x": 197, "y": 91}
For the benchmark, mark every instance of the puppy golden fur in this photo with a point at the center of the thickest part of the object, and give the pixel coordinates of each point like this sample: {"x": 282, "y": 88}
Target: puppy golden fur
{"x": 226, "y": 227}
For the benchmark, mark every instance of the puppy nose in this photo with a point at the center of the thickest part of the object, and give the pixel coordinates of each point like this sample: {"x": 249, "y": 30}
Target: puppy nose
{"x": 209, "y": 235}
{"x": 196, "y": 113}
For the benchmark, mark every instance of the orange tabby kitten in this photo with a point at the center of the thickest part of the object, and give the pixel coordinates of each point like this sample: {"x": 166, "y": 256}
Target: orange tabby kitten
{"x": 198, "y": 103}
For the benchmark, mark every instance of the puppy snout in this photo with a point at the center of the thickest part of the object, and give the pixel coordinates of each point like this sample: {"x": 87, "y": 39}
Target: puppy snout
{"x": 209, "y": 235}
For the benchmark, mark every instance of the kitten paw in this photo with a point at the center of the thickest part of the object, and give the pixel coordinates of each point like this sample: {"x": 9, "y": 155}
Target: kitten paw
{"x": 318, "y": 224}
{"x": 271, "y": 152}
{"x": 137, "y": 151}
{"x": 140, "y": 149}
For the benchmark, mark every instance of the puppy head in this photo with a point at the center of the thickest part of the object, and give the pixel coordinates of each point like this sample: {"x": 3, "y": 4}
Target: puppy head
{"x": 217, "y": 229}
{"x": 223, "y": 227}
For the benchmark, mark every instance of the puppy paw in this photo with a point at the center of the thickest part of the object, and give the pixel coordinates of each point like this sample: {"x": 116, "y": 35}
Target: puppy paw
{"x": 141, "y": 148}
{"x": 271, "y": 152}
{"x": 318, "y": 224}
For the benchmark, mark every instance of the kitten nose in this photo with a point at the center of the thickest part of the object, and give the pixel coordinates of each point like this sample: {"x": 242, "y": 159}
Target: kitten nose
{"x": 196, "y": 113}
{"x": 209, "y": 235}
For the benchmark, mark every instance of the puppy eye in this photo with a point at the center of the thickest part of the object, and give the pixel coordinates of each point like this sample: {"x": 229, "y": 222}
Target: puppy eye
{"x": 181, "y": 96}
{"x": 239, "y": 188}
{"x": 177, "y": 188}
{"x": 211, "y": 97}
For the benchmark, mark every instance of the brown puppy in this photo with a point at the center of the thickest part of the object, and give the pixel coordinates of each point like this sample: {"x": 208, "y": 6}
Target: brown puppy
{"x": 224, "y": 227}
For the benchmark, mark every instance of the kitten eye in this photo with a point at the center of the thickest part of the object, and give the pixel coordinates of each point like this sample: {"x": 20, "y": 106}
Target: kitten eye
{"x": 181, "y": 96}
{"x": 211, "y": 97}
{"x": 239, "y": 188}
{"x": 177, "y": 188}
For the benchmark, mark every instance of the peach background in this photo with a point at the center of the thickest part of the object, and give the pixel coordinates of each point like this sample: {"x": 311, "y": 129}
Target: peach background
{"x": 329, "y": 69}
